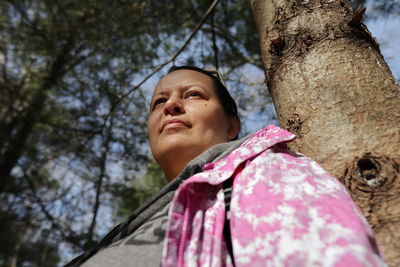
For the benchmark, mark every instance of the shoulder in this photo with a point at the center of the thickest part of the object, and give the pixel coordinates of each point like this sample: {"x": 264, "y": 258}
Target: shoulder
{"x": 264, "y": 161}
{"x": 269, "y": 136}
{"x": 270, "y": 160}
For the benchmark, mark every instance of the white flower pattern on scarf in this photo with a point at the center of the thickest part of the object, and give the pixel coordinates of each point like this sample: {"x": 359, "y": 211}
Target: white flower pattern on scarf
{"x": 285, "y": 211}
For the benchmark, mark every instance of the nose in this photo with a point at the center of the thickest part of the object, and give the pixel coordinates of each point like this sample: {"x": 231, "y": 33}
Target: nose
{"x": 173, "y": 107}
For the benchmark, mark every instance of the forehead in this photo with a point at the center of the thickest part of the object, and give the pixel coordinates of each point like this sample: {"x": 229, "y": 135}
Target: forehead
{"x": 182, "y": 79}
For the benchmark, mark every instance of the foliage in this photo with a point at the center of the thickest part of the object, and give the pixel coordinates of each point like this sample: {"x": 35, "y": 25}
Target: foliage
{"x": 68, "y": 138}
{"x": 137, "y": 191}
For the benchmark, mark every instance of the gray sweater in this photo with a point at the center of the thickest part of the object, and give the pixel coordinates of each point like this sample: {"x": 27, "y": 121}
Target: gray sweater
{"x": 139, "y": 240}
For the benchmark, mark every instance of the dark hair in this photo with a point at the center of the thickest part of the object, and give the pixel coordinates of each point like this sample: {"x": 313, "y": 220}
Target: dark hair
{"x": 227, "y": 102}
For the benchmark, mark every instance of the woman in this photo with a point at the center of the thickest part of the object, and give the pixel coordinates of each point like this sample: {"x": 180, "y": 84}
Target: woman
{"x": 247, "y": 202}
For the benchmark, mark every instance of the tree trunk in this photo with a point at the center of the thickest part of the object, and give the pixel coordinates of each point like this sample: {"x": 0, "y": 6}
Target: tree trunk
{"x": 331, "y": 86}
{"x": 20, "y": 133}
{"x": 14, "y": 257}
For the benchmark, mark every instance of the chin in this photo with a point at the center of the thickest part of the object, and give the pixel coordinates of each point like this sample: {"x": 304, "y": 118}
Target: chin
{"x": 177, "y": 150}
{"x": 176, "y": 147}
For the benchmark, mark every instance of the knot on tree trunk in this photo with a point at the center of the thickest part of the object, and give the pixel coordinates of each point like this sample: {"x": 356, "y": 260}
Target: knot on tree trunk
{"x": 374, "y": 184}
{"x": 369, "y": 169}
{"x": 278, "y": 44}
{"x": 372, "y": 173}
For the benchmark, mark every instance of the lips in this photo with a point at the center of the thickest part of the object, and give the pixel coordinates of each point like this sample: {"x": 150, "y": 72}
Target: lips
{"x": 172, "y": 123}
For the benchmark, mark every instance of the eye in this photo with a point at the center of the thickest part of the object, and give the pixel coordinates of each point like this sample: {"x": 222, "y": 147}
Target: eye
{"x": 159, "y": 101}
{"x": 192, "y": 94}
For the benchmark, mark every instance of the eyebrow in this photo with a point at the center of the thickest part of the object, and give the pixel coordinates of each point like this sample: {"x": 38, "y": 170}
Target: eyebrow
{"x": 159, "y": 93}
{"x": 185, "y": 88}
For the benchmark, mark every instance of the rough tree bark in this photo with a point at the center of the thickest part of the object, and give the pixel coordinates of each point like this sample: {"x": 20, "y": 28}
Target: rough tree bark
{"x": 331, "y": 86}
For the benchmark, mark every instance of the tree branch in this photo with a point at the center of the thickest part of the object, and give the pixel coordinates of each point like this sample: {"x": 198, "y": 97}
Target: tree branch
{"x": 156, "y": 69}
{"x": 99, "y": 184}
{"x": 177, "y": 53}
{"x": 230, "y": 40}
{"x": 65, "y": 231}
{"x": 9, "y": 157}
{"x": 214, "y": 41}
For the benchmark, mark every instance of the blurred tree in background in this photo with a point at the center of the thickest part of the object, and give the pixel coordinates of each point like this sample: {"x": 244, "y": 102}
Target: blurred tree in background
{"x": 72, "y": 148}
{"x": 74, "y": 157}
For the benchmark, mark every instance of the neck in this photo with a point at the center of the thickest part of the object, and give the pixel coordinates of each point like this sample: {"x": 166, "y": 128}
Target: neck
{"x": 173, "y": 168}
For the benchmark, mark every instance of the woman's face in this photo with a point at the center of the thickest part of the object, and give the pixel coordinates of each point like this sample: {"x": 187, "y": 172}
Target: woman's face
{"x": 186, "y": 117}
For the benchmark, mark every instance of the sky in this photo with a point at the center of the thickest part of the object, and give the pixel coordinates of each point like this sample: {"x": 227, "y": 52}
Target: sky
{"x": 386, "y": 30}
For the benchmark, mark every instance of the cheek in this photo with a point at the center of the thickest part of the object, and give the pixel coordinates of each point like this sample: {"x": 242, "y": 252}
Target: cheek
{"x": 214, "y": 119}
